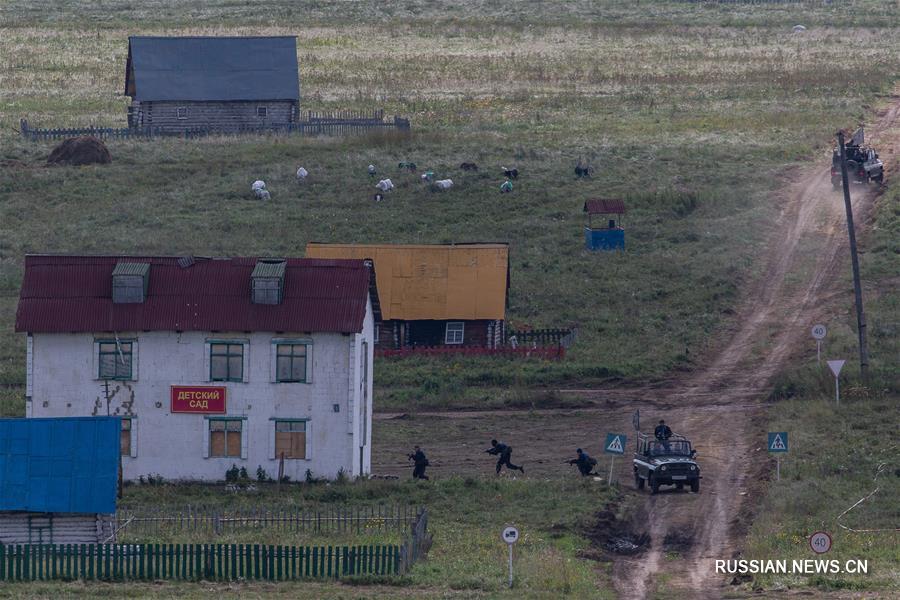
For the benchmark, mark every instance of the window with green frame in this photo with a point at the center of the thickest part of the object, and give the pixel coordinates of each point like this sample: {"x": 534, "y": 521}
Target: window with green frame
{"x": 114, "y": 359}
{"x": 226, "y": 362}
{"x": 290, "y": 363}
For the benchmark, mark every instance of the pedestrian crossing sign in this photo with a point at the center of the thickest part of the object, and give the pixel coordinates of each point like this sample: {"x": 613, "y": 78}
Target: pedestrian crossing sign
{"x": 778, "y": 441}
{"x": 615, "y": 443}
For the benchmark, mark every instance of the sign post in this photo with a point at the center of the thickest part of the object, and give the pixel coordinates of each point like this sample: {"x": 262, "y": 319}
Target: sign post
{"x": 778, "y": 442}
{"x": 636, "y": 419}
{"x": 510, "y": 535}
{"x": 836, "y": 366}
{"x": 615, "y": 445}
{"x": 818, "y": 333}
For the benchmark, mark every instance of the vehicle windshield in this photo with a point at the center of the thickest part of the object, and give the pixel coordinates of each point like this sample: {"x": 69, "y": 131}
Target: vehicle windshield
{"x": 671, "y": 448}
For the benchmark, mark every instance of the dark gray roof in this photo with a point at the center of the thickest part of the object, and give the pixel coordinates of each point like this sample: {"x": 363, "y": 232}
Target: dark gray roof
{"x": 212, "y": 68}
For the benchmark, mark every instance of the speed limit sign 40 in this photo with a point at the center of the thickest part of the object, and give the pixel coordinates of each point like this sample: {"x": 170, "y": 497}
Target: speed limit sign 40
{"x": 818, "y": 332}
{"x": 820, "y": 542}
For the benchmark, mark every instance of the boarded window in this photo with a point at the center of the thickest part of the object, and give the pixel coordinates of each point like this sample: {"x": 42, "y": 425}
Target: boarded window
{"x": 115, "y": 360}
{"x": 225, "y": 437}
{"x": 454, "y": 333}
{"x": 125, "y": 438}
{"x": 226, "y": 362}
{"x": 262, "y": 112}
{"x": 290, "y": 363}
{"x": 181, "y": 112}
{"x": 290, "y": 439}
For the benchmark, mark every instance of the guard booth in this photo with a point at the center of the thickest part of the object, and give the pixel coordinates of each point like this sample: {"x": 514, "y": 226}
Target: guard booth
{"x": 607, "y": 232}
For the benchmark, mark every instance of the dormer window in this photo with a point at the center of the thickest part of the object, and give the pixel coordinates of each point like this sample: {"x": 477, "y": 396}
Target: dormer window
{"x": 267, "y": 281}
{"x": 130, "y": 282}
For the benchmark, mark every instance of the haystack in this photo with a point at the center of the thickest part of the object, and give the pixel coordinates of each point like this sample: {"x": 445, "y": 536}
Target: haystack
{"x": 85, "y": 150}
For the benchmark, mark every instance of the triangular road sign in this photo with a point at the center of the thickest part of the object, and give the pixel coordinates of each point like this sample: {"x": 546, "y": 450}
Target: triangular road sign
{"x": 836, "y": 366}
{"x": 778, "y": 441}
{"x": 615, "y": 446}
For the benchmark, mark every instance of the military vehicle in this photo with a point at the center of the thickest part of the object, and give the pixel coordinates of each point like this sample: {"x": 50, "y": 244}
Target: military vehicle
{"x": 863, "y": 164}
{"x": 665, "y": 462}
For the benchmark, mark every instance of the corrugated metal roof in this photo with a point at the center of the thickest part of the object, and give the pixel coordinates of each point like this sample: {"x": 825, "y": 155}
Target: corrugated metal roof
{"x": 67, "y": 465}
{"x": 131, "y": 268}
{"x": 455, "y": 281}
{"x": 269, "y": 267}
{"x": 606, "y": 206}
{"x": 212, "y": 68}
{"x": 74, "y": 294}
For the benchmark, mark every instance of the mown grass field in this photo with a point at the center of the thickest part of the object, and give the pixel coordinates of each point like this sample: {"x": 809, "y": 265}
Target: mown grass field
{"x": 696, "y": 113}
{"x": 693, "y": 113}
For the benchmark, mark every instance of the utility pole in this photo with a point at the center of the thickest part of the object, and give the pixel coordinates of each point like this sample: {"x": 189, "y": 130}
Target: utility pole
{"x": 857, "y": 288}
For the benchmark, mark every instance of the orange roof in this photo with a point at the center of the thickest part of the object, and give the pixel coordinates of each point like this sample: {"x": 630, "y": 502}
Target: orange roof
{"x": 455, "y": 281}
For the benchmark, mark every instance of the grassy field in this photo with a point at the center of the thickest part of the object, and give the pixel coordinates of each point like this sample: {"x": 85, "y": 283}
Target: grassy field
{"x": 692, "y": 112}
{"x": 466, "y": 516}
{"x": 823, "y": 475}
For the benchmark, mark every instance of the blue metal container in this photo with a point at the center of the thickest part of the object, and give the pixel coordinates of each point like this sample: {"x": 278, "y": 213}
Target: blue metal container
{"x": 66, "y": 464}
{"x": 604, "y": 239}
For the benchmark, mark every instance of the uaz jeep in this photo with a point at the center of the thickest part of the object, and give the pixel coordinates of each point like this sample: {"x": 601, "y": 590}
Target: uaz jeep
{"x": 665, "y": 462}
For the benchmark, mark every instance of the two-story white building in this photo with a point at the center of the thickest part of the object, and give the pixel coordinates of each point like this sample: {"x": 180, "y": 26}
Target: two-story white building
{"x": 211, "y": 362}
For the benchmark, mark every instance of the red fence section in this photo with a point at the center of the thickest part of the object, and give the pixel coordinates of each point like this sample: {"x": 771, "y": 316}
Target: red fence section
{"x": 546, "y": 352}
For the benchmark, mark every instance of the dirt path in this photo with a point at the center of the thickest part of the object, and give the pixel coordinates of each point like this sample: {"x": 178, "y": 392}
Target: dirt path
{"x": 773, "y": 322}
{"x": 720, "y": 406}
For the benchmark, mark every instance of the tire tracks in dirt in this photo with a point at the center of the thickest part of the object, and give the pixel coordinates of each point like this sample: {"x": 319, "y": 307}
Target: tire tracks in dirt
{"x": 771, "y": 323}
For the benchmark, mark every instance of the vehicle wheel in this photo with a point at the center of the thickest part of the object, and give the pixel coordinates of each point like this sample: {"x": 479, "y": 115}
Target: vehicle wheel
{"x": 638, "y": 481}
{"x": 878, "y": 178}
{"x": 654, "y": 485}
{"x": 695, "y": 486}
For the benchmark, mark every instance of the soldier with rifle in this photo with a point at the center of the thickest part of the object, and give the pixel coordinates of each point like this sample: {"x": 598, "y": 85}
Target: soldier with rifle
{"x": 585, "y": 463}
{"x": 504, "y": 452}
{"x": 420, "y": 462}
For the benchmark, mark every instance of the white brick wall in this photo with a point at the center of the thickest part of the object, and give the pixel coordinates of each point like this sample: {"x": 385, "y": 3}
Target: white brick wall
{"x": 64, "y": 382}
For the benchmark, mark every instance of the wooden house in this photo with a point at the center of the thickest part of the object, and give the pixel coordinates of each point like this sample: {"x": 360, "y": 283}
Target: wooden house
{"x": 58, "y": 480}
{"x": 435, "y": 295}
{"x": 212, "y": 83}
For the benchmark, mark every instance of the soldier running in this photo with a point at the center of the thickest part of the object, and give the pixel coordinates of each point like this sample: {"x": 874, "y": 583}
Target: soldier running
{"x": 420, "y": 462}
{"x": 504, "y": 452}
{"x": 585, "y": 463}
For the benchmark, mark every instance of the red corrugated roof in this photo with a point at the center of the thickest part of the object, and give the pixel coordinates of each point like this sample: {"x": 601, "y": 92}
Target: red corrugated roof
{"x": 600, "y": 206}
{"x": 74, "y": 294}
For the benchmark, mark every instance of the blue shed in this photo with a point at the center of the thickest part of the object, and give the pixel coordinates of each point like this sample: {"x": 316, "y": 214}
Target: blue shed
{"x": 610, "y": 235}
{"x": 57, "y": 475}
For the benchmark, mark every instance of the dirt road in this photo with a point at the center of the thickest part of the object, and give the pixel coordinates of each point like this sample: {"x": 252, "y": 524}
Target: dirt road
{"x": 721, "y": 405}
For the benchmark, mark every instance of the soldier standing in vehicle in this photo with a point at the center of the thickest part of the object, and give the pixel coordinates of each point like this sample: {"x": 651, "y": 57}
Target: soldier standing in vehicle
{"x": 663, "y": 433}
{"x": 504, "y": 452}
{"x": 585, "y": 463}
{"x": 420, "y": 462}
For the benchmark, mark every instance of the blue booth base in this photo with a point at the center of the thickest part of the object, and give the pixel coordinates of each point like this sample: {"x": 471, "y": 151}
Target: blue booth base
{"x": 604, "y": 239}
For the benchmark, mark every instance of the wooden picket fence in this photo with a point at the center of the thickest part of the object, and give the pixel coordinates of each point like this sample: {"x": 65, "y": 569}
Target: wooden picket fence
{"x": 200, "y": 520}
{"x": 211, "y": 562}
{"x": 542, "y": 337}
{"x": 546, "y": 352}
{"x": 322, "y": 125}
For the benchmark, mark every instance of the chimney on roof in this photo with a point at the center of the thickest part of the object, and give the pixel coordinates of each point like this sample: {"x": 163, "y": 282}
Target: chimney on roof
{"x": 130, "y": 281}
{"x": 267, "y": 281}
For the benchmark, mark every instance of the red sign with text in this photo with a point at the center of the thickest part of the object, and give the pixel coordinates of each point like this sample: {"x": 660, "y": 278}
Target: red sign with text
{"x": 207, "y": 400}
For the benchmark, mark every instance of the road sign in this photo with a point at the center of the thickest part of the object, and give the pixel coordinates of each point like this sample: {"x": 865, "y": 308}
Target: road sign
{"x": 778, "y": 441}
{"x": 615, "y": 443}
{"x": 510, "y": 535}
{"x": 820, "y": 542}
{"x": 819, "y": 331}
{"x": 836, "y": 366}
